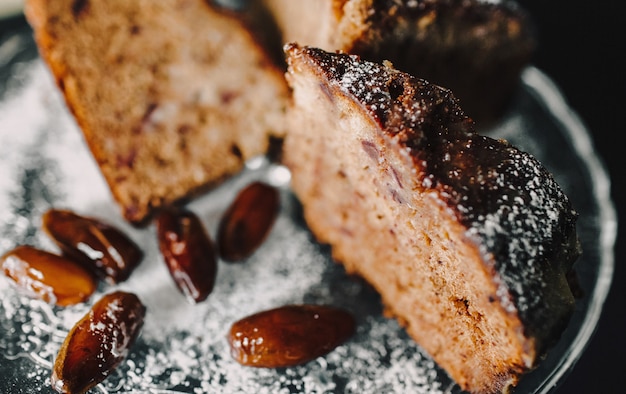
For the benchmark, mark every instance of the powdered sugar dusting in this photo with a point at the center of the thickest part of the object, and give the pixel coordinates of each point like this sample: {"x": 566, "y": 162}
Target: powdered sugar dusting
{"x": 529, "y": 220}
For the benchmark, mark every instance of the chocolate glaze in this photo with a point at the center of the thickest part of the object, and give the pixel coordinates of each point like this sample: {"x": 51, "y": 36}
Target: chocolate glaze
{"x": 477, "y": 48}
{"x": 470, "y": 11}
{"x": 465, "y": 25}
{"x": 510, "y": 204}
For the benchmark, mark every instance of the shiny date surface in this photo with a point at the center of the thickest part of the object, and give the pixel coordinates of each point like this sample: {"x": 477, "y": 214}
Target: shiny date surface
{"x": 98, "y": 343}
{"x": 247, "y": 221}
{"x": 289, "y": 335}
{"x": 188, "y": 252}
{"x": 110, "y": 253}
{"x": 50, "y": 277}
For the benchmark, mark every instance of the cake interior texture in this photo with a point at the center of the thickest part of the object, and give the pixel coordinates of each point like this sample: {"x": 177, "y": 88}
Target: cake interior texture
{"x": 364, "y": 193}
{"x": 172, "y": 96}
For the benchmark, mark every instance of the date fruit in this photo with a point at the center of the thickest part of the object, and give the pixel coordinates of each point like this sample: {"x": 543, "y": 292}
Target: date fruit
{"x": 247, "y": 221}
{"x": 289, "y": 335}
{"x": 45, "y": 275}
{"x": 110, "y": 253}
{"x": 188, "y": 252}
{"x": 98, "y": 343}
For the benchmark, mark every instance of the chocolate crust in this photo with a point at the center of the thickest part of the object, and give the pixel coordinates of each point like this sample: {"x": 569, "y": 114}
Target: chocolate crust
{"x": 476, "y": 48}
{"x": 453, "y": 25}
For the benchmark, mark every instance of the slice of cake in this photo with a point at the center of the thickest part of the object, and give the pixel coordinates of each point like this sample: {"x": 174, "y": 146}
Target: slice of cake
{"x": 476, "y": 48}
{"x": 171, "y": 95}
{"x": 467, "y": 239}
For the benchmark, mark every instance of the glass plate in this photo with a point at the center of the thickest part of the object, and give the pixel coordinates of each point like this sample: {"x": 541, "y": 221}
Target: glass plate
{"x": 182, "y": 349}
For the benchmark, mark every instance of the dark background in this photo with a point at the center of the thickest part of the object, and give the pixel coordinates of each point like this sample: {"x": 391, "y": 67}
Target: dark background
{"x": 581, "y": 47}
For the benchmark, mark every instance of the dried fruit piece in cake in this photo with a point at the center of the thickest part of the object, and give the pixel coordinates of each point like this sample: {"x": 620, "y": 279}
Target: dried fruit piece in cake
{"x": 50, "y": 277}
{"x": 467, "y": 239}
{"x": 98, "y": 343}
{"x": 476, "y": 48}
{"x": 172, "y": 96}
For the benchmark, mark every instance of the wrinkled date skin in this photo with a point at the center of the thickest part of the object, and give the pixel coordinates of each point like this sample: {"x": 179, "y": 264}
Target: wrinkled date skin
{"x": 98, "y": 343}
{"x": 247, "y": 221}
{"x": 45, "y": 275}
{"x": 289, "y": 335}
{"x": 110, "y": 253}
{"x": 188, "y": 252}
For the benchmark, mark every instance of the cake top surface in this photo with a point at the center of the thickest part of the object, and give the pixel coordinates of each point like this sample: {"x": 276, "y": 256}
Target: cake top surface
{"x": 487, "y": 16}
{"x": 509, "y": 6}
{"x": 509, "y": 203}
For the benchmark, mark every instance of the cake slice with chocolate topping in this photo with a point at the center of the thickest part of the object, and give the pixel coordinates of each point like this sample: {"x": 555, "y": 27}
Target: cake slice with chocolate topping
{"x": 171, "y": 95}
{"x": 476, "y": 48}
{"x": 467, "y": 239}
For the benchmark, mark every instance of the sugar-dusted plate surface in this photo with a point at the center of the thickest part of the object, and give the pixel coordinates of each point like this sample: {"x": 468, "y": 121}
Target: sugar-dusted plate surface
{"x": 182, "y": 349}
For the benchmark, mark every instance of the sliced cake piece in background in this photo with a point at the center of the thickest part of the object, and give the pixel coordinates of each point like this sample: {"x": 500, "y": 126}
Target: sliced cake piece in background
{"x": 476, "y": 48}
{"x": 172, "y": 95}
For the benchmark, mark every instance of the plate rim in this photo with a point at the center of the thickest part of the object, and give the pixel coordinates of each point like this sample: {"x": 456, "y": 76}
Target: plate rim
{"x": 572, "y": 126}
